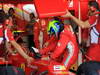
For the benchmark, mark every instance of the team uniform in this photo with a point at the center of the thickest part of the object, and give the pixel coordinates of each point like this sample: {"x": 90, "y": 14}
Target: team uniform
{"x": 44, "y": 23}
{"x": 36, "y": 34}
{"x": 7, "y": 34}
{"x": 94, "y": 49}
{"x": 52, "y": 42}
{"x": 65, "y": 49}
{"x": 40, "y": 27}
{"x": 1, "y": 33}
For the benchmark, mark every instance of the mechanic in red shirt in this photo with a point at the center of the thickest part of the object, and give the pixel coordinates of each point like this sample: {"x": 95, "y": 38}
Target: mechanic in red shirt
{"x": 93, "y": 23}
{"x": 7, "y": 36}
{"x": 40, "y": 32}
{"x": 64, "y": 48}
{"x": 36, "y": 34}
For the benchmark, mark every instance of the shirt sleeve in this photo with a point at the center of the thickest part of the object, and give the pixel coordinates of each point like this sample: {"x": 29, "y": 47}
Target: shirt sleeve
{"x": 92, "y": 19}
{"x": 61, "y": 46}
{"x": 8, "y": 35}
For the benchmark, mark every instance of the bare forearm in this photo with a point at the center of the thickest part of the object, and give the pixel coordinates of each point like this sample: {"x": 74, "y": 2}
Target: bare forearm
{"x": 77, "y": 21}
{"x": 82, "y": 24}
{"x": 19, "y": 49}
{"x": 8, "y": 47}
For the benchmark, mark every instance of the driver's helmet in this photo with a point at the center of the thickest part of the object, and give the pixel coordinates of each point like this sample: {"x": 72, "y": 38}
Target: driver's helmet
{"x": 55, "y": 27}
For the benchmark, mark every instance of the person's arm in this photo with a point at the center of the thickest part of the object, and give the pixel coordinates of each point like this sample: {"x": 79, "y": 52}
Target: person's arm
{"x": 82, "y": 24}
{"x": 9, "y": 38}
{"x": 8, "y": 47}
{"x": 20, "y": 51}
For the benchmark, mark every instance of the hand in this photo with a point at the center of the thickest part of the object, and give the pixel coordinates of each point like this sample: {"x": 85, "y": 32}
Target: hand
{"x": 45, "y": 58}
{"x": 29, "y": 60}
{"x": 46, "y": 44}
{"x": 68, "y": 14}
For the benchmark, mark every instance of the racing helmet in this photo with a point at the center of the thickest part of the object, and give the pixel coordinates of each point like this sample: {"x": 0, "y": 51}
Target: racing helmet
{"x": 55, "y": 27}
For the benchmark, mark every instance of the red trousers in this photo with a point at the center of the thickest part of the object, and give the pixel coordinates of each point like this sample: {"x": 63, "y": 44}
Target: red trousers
{"x": 94, "y": 52}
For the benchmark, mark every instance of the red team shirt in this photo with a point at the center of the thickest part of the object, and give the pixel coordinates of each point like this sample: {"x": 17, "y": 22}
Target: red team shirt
{"x": 95, "y": 28}
{"x": 94, "y": 50}
{"x": 64, "y": 49}
{"x": 8, "y": 34}
{"x": 5, "y": 32}
{"x": 1, "y": 30}
{"x": 41, "y": 25}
